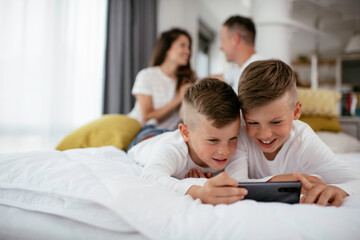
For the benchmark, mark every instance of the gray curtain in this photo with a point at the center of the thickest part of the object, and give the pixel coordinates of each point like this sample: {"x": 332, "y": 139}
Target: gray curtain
{"x": 131, "y": 38}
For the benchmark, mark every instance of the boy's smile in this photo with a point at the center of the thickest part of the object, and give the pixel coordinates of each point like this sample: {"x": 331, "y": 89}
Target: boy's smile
{"x": 269, "y": 126}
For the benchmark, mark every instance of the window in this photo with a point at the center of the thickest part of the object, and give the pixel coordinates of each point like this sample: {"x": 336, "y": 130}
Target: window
{"x": 51, "y": 70}
{"x": 206, "y": 37}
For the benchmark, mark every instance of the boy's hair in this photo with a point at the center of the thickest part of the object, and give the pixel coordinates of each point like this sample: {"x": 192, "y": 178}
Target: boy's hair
{"x": 213, "y": 99}
{"x": 243, "y": 26}
{"x": 265, "y": 81}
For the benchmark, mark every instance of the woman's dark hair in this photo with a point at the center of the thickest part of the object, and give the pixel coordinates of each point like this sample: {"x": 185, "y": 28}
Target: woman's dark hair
{"x": 184, "y": 74}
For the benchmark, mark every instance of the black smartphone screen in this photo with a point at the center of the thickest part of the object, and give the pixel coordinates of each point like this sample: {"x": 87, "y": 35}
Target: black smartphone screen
{"x": 285, "y": 192}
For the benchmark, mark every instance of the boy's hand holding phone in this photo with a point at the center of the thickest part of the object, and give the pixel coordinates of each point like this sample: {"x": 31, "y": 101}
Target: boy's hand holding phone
{"x": 320, "y": 194}
{"x": 221, "y": 189}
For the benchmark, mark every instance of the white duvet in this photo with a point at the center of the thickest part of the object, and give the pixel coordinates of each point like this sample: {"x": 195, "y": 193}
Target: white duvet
{"x": 101, "y": 187}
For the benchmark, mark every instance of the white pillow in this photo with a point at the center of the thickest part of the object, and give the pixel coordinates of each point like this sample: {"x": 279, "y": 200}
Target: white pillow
{"x": 340, "y": 142}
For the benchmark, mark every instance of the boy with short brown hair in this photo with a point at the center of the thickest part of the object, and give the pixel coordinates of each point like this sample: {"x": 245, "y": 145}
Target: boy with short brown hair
{"x": 206, "y": 140}
{"x": 278, "y": 143}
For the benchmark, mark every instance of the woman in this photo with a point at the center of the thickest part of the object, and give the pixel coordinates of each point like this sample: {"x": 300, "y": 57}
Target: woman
{"x": 159, "y": 88}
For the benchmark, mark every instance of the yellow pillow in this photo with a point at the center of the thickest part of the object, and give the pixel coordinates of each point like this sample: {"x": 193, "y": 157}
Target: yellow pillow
{"x": 319, "y": 102}
{"x": 112, "y": 129}
{"x": 323, "y": 123}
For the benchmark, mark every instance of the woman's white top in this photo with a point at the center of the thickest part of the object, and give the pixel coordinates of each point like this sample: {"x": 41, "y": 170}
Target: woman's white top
{"x": 154, "y": 82}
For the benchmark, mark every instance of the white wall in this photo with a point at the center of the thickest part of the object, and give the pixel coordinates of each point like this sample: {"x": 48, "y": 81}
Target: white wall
{"x": 182, "y": 14}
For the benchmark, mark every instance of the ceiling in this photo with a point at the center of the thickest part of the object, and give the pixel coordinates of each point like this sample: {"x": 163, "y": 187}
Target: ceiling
{"x": 328, "y": 15}
{"x": 335, "y": 21}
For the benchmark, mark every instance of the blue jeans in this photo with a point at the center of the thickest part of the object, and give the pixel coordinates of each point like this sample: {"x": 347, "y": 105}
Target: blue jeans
{"x": 146, "y": 132}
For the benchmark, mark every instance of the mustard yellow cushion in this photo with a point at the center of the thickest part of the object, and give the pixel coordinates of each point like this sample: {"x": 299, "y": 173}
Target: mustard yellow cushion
{"x": 112, "y": 129}
{"x": 319, "y": 102}
{"x": 322, "y": 123}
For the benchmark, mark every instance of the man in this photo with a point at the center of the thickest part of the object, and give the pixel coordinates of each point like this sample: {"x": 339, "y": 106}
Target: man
{"x": 237, "y": 42}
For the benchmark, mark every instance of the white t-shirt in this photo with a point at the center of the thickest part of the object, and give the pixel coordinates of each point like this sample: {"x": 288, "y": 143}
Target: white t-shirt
{"x": 153, "y": 82}
{"x": 303, "y": 152}
{"x": 166, "y": 159}
{"x": 232, "y": 75}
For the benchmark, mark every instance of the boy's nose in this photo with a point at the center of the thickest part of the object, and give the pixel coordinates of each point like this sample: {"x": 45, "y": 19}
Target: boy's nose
{"x": 224, "y": 149}
{"x": 265, "y": 132}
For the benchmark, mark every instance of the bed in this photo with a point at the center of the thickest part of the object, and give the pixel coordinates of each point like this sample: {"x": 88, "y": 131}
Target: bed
{"x": 96, "y": 193}
{"x": 89, "y": 190}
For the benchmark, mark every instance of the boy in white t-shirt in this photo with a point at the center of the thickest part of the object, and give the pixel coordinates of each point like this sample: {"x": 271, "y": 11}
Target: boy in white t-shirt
{"x": 278, "y": 143}
{"x": 206, "y": 140}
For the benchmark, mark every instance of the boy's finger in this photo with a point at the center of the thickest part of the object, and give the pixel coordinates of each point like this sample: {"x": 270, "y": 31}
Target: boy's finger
{"x": 338, "y": 201}
{"x": 229, "y": 192}
{"x": 226, "y": 200}
{"x": 305, "y": 183}
{"x": 223, "y": 179}
{"x": 323, "y": 198}
{"x": 303, "y": 198}
{"x": 312, "y": 196}
{"x": 201, "y": 174}
{"x": 313, "y": 179}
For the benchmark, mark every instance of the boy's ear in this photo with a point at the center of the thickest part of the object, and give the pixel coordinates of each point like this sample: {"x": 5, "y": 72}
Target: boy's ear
{"x": 184, "y": 131}
{"x": 297, "y": 110}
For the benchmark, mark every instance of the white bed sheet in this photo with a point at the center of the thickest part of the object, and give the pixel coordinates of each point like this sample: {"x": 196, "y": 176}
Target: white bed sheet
{"x": 20, "y": 224}
{"x": 100, "y": 187}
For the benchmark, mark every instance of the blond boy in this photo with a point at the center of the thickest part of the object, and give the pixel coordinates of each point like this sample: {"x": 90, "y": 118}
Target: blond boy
{"x": 206, "y": 140}
{"x": 278, "y": 144}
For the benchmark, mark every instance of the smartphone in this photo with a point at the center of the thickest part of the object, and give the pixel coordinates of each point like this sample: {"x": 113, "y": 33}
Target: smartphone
{"x": 285, "y": 192}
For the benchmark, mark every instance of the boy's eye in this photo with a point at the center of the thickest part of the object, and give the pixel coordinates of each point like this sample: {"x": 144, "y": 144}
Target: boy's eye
{"x": 213, "y": 140}
{"x": 252, "y": 123}
{"x": 233, "y": 139}
{"x": 276, "y": 122}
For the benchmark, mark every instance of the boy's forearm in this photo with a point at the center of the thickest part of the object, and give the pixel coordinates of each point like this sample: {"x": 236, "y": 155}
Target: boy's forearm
{"x": 163, "y": 177}
{"x": 283, "y": 178}
{"x": 291, "y": 178}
